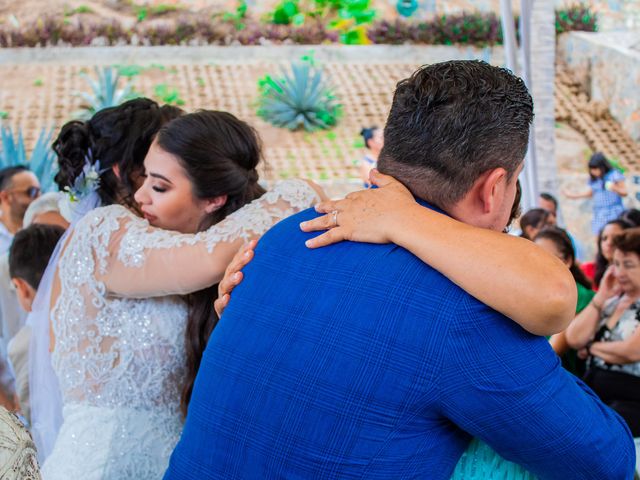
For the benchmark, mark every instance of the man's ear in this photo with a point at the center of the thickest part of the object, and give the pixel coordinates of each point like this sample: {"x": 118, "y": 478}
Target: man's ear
{"x": 492, "y": 187}
{"x": 25, "y": 292}
{"x": 4, "y": 196}
{"x": 215, "y": 203}
{"x": 116, "y": 171}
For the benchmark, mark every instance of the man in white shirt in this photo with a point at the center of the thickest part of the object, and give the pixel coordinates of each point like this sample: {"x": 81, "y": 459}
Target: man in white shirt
{"x": 18, "y": 188}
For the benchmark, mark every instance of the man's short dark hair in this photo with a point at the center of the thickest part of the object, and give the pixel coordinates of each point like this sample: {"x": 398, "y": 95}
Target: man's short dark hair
{"x": 452, "y": 121}
{"x": 6, "y": 174}
{"x": 549, "y": 198}
{"x": 30, "y": 252}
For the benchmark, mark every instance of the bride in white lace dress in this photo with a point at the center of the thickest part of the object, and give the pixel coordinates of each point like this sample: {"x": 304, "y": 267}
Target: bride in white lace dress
{"x": 119, "y": 313}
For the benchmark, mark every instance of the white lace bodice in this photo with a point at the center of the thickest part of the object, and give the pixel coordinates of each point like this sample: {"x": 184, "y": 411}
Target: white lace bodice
{"x": 118, "y": 321}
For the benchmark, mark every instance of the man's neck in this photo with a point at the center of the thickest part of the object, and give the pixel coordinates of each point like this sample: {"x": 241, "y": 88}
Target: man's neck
{"x": 11, "y": 224}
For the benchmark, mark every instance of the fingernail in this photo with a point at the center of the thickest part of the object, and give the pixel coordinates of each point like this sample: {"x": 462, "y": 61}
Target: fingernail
{"x": 236, "y": 276}
{"x": 303, "y": 224}
{"x": 246, "y": 254}
{"x": 309, "y": 243}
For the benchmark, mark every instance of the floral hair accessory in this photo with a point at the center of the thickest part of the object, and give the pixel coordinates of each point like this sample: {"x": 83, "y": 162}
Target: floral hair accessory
{"x": 87, "y": 182}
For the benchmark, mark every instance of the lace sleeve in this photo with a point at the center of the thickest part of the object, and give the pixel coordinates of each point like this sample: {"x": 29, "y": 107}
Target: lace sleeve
{"x": 142, "y": 261}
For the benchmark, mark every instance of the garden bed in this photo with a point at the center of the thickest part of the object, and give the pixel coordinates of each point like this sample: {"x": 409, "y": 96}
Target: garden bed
{"x": 39, "y": 87}
{"x": 89, "y": 25}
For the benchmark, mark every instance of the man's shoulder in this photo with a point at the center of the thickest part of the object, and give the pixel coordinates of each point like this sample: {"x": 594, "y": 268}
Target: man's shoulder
{"x": 392, "y": 266}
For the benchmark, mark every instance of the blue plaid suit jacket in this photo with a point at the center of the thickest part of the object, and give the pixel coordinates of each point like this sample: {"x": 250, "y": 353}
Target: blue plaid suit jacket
{"x": 360, "y": 361}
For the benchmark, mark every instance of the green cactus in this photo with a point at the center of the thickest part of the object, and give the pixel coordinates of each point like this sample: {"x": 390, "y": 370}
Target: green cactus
{"x": 42, "y": 161}
{"x": 104, "y": 92}
{"x": 300, "y": 99}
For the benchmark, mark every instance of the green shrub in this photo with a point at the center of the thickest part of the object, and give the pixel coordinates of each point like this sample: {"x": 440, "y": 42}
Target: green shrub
{"x": 299, "y": 99}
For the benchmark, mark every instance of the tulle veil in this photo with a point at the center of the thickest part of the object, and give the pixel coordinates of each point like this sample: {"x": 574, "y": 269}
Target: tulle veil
{"x": 44, "y": 390}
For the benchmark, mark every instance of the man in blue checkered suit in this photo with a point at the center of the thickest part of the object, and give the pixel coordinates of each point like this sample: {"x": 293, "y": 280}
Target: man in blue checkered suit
{"x": 312, "y": 373}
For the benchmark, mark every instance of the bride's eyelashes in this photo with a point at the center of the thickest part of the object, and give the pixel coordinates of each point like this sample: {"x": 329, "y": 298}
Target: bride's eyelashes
{"x": 159, "y": 189}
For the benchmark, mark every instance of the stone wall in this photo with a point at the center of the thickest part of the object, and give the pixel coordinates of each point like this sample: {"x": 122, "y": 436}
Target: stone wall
{"x": 608, "y": 65}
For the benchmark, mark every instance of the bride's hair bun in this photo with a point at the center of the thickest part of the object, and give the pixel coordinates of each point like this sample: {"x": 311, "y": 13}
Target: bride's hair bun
{"x": 71, "y": 147}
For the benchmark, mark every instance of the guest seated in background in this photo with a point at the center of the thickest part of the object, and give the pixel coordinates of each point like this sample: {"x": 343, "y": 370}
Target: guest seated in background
{"x": 549, "y": 203}
{"x": 373, "y": 141}
{"x": 18, "y": 188}
{"x": 533, "y": 221}
{"x": 557, "y": 242}
{"x": 595, "y": 270}
{"x": 46, "y": 210}
{"x": 28, "y": 258}
{"x": 608, "y": 332}
{"x": 631, "y": 216}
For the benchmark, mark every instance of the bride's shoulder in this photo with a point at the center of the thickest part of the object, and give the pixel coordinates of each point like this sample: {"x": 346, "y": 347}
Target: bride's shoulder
{"x": 110, "y": 212}
{"x": 299, "y": 193}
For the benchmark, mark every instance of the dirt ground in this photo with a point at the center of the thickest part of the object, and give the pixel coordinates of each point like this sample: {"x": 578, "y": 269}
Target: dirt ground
{"x": 43, "y": 96}
{"x": 37, "y": 96}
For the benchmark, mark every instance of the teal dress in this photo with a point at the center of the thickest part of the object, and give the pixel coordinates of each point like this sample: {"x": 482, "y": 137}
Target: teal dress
{"x": 481, "y": 462}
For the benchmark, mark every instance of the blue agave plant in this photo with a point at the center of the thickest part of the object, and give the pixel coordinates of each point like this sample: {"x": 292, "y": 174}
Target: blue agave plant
{"x": 42, "y": 161}
{"x": 299, "y": 99}
{"x": 104, "y": 92}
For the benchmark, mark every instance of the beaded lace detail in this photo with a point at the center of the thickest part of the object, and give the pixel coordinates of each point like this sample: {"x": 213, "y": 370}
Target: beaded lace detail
{"x": 114, "y": 350}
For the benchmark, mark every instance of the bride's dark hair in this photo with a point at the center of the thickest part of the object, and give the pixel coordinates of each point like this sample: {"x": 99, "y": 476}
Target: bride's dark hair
{"x": 220, "y": 154}
{"x": 117, "y": 137}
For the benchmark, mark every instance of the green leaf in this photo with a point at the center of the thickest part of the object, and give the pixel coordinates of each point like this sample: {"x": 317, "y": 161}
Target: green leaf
{"x": 129, "y": 70}
{"x": 299, "y": 99}
{"x": 83, "y": 9}
{"x": 168, "y": 94}
{"x": 290, "y": 8}
{"x": 142, "y": 13}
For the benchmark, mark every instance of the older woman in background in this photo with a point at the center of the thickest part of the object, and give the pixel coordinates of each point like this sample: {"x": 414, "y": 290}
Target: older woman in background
{"x": 608, "y": 332}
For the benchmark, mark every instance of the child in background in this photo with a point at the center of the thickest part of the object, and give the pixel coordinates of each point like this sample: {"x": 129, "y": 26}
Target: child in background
{"x": 557, "y": 242}
{"x": 28, "y": 258}
{"x": 606, "y": 187}
{"x": 374, "y": 140}
{"x": 533, "y": 221}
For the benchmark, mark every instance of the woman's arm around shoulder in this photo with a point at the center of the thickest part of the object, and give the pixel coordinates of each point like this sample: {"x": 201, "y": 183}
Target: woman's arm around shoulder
{"x": 510, "y": 274}
{"x": 145, "y": 261}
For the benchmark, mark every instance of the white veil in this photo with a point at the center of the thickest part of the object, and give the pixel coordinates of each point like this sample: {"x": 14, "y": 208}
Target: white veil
{"x": 44, "y": 391}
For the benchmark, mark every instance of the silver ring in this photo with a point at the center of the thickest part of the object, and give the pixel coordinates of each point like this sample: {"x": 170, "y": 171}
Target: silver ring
{"x": 335, "y": 218}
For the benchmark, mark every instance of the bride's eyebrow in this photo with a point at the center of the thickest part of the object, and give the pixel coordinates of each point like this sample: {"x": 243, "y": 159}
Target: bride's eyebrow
{"x": 157, "y": 175}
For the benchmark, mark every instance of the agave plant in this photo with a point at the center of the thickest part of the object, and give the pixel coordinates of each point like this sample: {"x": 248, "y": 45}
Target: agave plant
{"x": 104, "y": 92}
{"x": 299, "y": 99}
{"x": 42, "y": 162}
